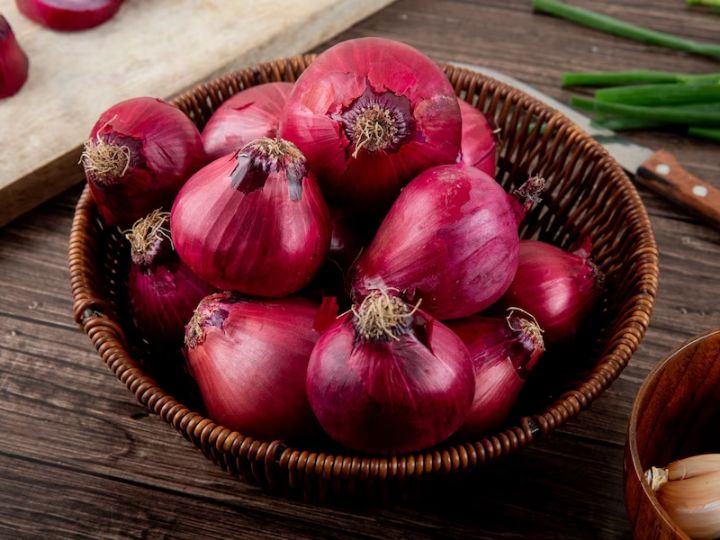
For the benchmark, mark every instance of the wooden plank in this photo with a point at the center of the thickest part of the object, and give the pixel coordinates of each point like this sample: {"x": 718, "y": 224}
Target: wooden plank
{"x": 153, "y": 48}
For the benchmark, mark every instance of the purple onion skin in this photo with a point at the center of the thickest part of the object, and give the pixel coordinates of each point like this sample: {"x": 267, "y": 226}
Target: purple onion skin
{"x": 251, "y": 362}
{"x": 478, "y": 146}
{"x": 258, "y": 242}
{"x": 163, "y": 298}
{"x": 364, "y": 73}
{"x": 450, "y": 238}
{"x": 558, "y": 287}
{"x": 393, "y": 396}
{"x": 248, "y": 115}
{"x": 502, "y": 359}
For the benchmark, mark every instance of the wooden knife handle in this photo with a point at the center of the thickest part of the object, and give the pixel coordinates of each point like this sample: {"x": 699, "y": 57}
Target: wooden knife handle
{"x": 663, "y": 174}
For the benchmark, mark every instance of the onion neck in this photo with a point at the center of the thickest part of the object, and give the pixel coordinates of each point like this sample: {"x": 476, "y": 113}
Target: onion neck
{"x": 527, "y": 196}
{"x": 265, "y": 156}
{"x": 210, "y": 313}
{"x": 378, "y": 122}
{"x": 150, "y": 239}
{"x": 528, "y": 336}
{"x": 108, "y": 157}
{"x": 383, "y": 316}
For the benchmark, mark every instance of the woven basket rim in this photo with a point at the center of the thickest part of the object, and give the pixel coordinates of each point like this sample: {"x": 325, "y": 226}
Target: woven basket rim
{"x": 91, "y": 313}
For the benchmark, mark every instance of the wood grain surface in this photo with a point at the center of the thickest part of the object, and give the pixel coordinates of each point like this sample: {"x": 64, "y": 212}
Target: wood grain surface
{"x": 153, "y": 48}
{"x": 80, "y": 458}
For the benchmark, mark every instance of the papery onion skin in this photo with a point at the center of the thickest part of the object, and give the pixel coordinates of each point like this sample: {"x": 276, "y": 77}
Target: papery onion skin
{"x": 328, "y": 98}
{"x": 450, "y": 239}
{"x": 478, "y": 146}
{"x": 69, "y": 15}
{"x": 249, "y": 359}
{"x": 268, "y": 237}
{"x": 559, "y": 288}
{"x": 390, "y": 395}
{"x": 14, "y": 63}
{"x": 163, "y": 291}
{"x": 139, "y": 154}
{"x": 503, "y": 351}
{"x": 248, "y": 115}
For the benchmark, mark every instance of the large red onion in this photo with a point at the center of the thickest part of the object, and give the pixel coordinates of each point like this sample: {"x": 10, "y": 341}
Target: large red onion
{"x": 69, "y": 14}
{"x": 13, "y": 62}
{"x": 139, "y": 154}
{"x": 163, "y": 291}
{"x": 369, "y": 114}
{"x": 253, "y": 222}
{"x": 450, "y": 238}
{"x": 557, "y": 287}
{"x": 248, "y": 115}
{"x": 503, "y": 351}
{"x": 389, "y": 379}
{"x": 249, "y": 359}
{"x": 478, "y": 145}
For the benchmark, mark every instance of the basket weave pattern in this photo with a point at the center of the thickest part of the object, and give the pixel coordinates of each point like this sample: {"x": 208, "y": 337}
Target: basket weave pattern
{"x": 588, "y": 194}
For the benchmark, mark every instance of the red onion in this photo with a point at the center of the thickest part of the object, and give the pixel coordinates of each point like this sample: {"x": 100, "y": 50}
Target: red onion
{"x": 450, "y": 238}
{"x": 557, "y": 287}
{"x": 13, "y": 62}
{"x": 249, "y": 359}
{"x": 369, "y": 114}
{"x": 478, "y": 144}
{"x": 389, "y": 379}
{"x": 503, "y": 351}
{"x": 248, "y": 115}
{"x": 139, "y": 154}
{"x": 253, "y": 222}
{"x": 69, "y": 14}
{"x": 163, "y": 291}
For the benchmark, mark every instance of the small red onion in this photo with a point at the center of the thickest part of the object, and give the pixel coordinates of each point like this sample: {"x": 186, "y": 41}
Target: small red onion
{"x": 557, "y": 287}
{"x": 248, "y": 115}
{"x": 163, "y": 291}
{"x": 249, "y": 359}
{"x": 14, "y": 62}
{"x": 389, "y": 379}
{"x": 139, "y": 154}
{"x": 450, "y": 238}
{"x": 69, "y": 15}
{"x": 503, "y": 351}
{"x": 478, "y": 144}
{"x": 369, "y": 114}
{"x": 253, "y": 222}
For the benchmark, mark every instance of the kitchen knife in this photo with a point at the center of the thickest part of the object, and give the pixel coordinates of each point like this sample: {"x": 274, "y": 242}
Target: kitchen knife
{"x": 658, "y": 170}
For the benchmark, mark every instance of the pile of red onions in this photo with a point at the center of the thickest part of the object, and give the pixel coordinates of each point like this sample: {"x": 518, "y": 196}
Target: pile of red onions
{"x": 364, "y": 188}
{"x": 13, "y": 62}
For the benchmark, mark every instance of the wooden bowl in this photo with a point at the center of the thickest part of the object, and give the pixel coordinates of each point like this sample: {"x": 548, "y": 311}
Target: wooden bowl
{"x": 675, "y": 415}
{"x": 588, "y": 194}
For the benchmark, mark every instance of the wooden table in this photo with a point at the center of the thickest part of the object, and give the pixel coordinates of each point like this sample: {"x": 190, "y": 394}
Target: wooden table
{"x": 80, "y": 458}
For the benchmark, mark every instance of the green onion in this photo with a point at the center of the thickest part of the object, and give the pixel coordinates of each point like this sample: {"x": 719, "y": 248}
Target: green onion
{"x": 622, "y": 124}
{"x": 710, "y": 3}
{"x": 619, "y": 78}
{"x": 705, "y": 133}
{"x": 661, "y": 94}
{"x": 620, "y": 28}
{"x": 709, "y": 115}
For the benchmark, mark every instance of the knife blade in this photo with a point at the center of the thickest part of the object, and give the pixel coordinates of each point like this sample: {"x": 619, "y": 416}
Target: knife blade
{"x": 658, "y": 170}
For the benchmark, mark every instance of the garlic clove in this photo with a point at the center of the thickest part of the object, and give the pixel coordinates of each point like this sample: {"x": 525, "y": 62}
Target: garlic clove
{"x": 693, "y": 466}
{"x": 694, "y": 504}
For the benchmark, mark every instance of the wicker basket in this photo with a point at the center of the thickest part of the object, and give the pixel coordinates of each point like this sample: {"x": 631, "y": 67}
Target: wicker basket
{"x": 588, "y": 195}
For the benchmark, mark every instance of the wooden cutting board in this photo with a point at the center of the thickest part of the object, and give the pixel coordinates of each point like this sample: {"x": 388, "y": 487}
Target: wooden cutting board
{"x": 151, "y": 47}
